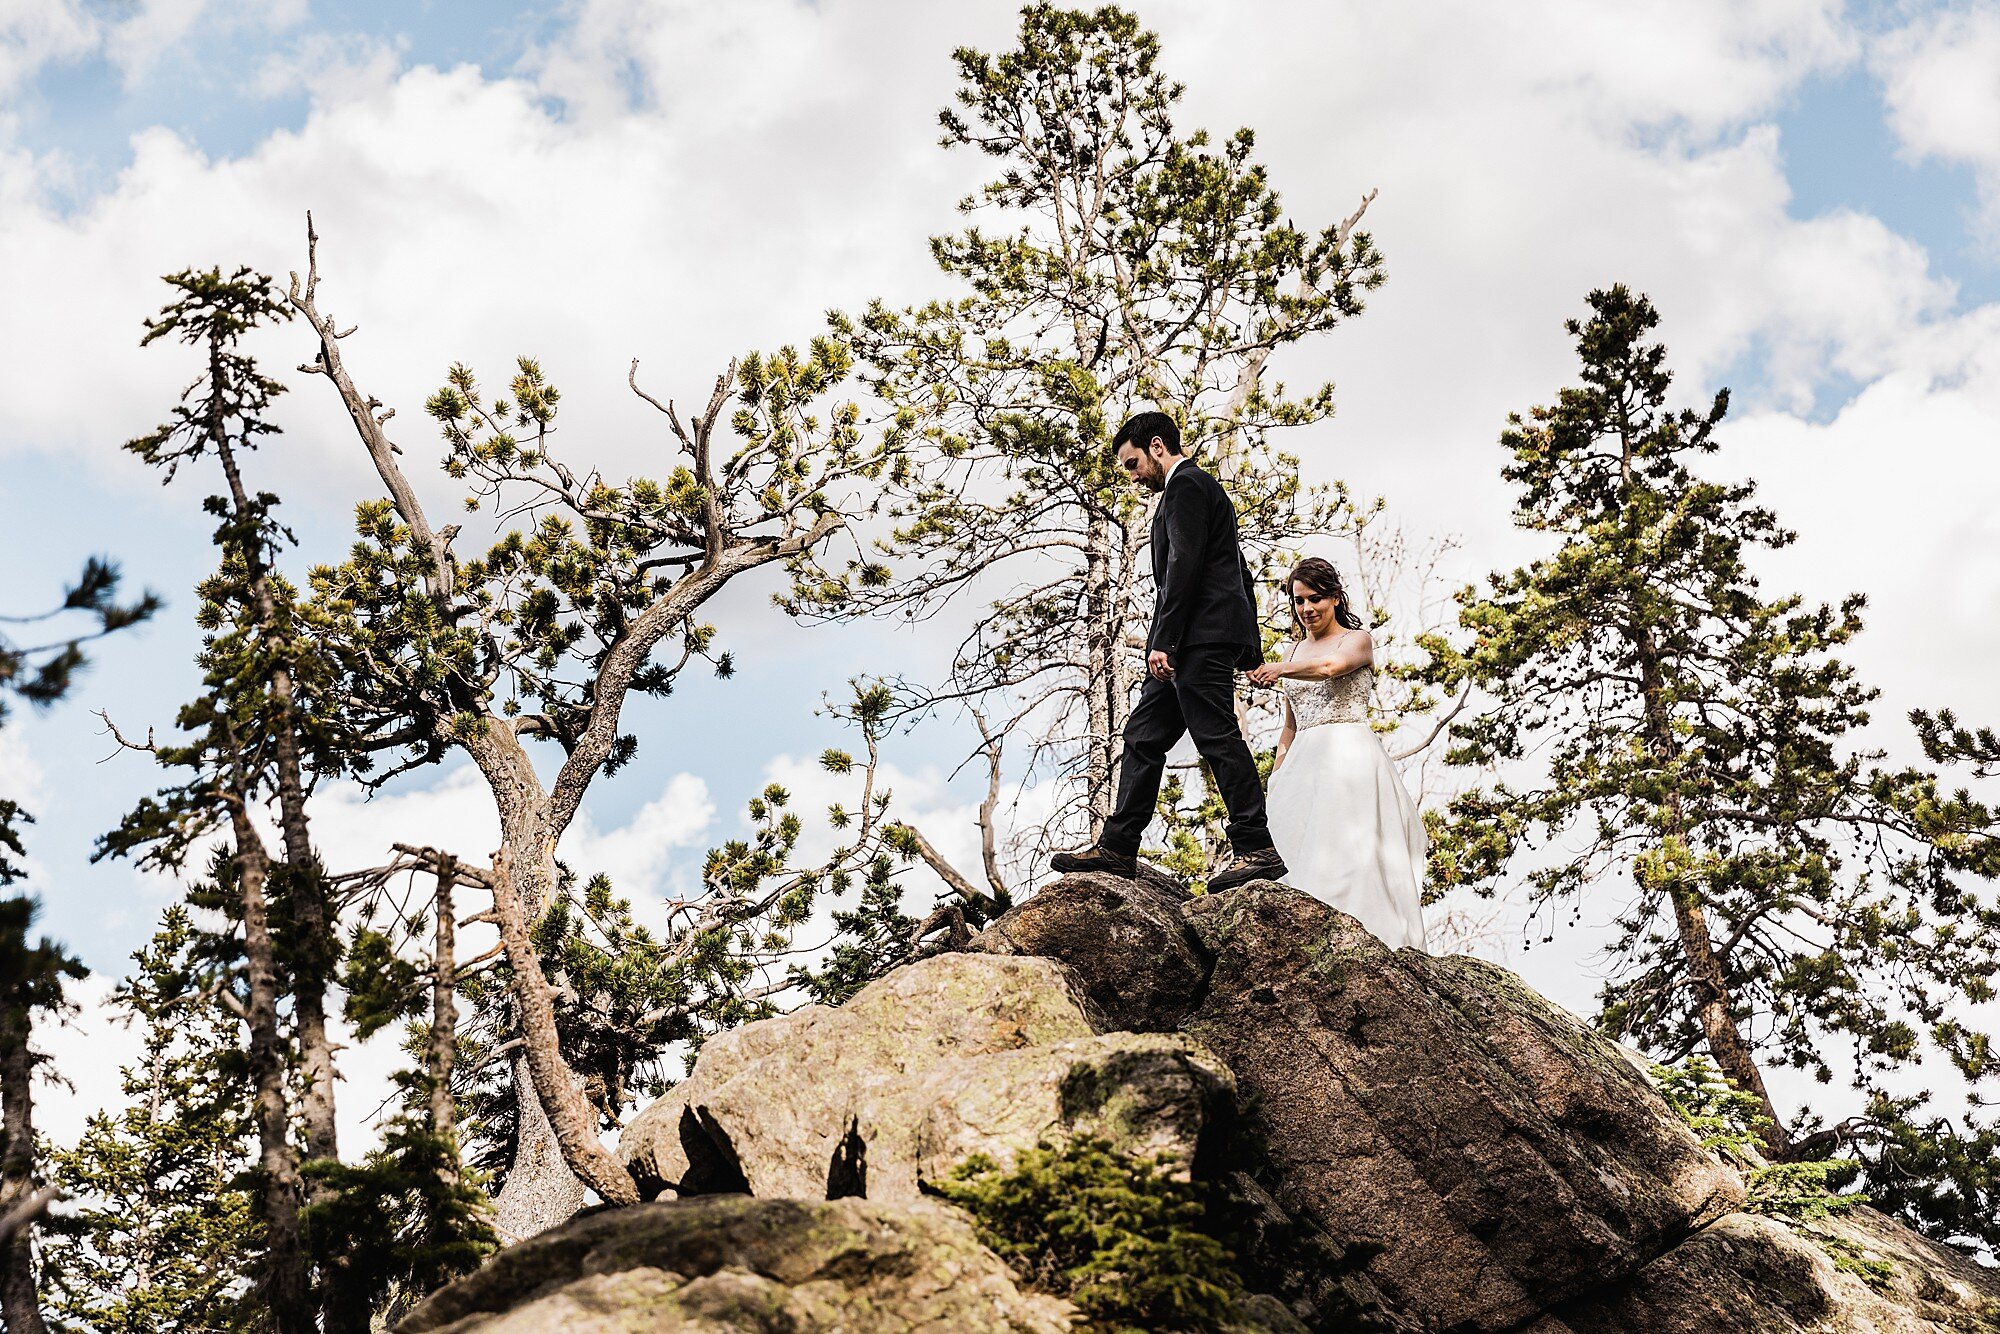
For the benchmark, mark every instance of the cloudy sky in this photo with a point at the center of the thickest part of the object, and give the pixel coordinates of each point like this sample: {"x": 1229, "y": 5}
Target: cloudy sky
{"x": 1810, "y": 192}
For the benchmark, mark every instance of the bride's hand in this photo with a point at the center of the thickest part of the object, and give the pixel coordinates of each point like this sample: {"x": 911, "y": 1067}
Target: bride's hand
{"x": 1265, "y": 674}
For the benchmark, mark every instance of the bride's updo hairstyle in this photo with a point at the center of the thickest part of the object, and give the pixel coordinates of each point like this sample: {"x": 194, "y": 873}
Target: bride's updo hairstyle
{"x": 1320, "y": 576}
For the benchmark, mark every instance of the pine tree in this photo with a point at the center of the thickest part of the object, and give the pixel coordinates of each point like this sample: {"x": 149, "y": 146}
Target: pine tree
{"x": 1677, "y": 742}
{"x": 260, "y": 730}
{"x": 31, "y": 983}
{"x": 544, "y": 636}
{"x": 32, "y": 976}
{"x": 410, "y": 1217}
{"x": 163, "y": 1232}
{"x": 1132, "y": 266}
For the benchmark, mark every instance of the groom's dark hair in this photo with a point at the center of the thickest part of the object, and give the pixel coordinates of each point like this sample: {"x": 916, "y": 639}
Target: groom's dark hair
{"x": 1139, "y": 431}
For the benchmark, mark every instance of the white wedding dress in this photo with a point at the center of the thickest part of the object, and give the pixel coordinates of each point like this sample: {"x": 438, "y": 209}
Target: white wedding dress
{"x": 1340, "y": 815}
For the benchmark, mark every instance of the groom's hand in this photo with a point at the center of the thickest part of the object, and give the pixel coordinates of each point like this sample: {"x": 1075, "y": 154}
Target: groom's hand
{"x": 1158, "y": 665}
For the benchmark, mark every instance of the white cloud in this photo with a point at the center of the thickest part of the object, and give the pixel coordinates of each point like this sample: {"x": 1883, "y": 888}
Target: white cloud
{"x": 34, "y": 33}
{"x": 1940, "y": 78}
{"x": 154, "y": 28}
{"x": 331, "y": 67}
{"x": 87, "y": 1053}
{"x": 21, "y": 776}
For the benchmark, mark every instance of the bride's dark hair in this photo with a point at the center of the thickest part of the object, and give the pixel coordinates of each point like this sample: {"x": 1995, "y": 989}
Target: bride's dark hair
{"x": 1320, "y": 576}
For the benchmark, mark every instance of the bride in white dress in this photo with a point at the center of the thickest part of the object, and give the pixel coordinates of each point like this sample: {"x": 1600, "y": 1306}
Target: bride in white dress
{"x": 1339, "y": 813}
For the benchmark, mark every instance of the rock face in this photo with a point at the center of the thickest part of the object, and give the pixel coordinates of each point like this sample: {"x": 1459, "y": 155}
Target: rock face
{"x": 1502, "y": 1156}
{"x": 1392, "y": 1141}
{"x": 1855, "y": 1273}
{"x": 735, "y": 1263}
{"x": 1123, "y": 940}
{"x": 955, "y": 1055}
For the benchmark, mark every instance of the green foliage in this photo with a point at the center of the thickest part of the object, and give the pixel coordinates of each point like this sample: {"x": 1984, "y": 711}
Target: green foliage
{"x": 1804, "y": 1190}
{"x": 32, "y": 976}
{"x": 1725, "y": 1118}
{"x": 1120, "y": 1238}
{"x": 1732, "y": 1123}
{"x": 1674, "y": 740}
{"x": 404, "y": 1222}
{"x": 42, "y": 672}
{"x": 877, "y": 936}
{"x": 381, "y": 986}
{"x": 530, "y": 627}
{"x": 1941, "y": 1175}
{"x": 1131, "y": 265}
{"x": 161, "y": 1235}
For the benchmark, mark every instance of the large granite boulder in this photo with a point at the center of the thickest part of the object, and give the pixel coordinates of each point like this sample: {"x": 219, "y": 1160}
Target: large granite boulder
{"x": 952, "y": 1056}
{"x": 1389, "y": 1141}
{"x": 730, "y": 1263}
{"x": 1853, "y": 1273}
{"x": 1124, "y": 941}
{"x": 1498, "y": 1155}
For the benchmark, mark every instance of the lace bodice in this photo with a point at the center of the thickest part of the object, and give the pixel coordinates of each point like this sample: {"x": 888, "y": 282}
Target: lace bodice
{"x": 1340, "y": 699}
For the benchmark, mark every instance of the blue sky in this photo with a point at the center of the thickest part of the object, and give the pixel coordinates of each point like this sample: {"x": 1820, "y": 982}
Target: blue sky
{"x": 1805, "y": 190}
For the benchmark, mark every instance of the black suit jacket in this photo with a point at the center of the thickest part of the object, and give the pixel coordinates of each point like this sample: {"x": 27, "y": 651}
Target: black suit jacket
{"x": 1204, "y": 591}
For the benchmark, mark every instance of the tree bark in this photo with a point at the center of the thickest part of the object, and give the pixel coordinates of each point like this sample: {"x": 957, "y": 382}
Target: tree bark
{"x": 569, "y": 1117}
{"x": 441, "y": 1052}
{"x": 285, "y": 1285}
{"x": 20, "y": 1306}
{"x": 1101, "y": 647}
{"x": 304, "y": 882}
{"x": 540, "y": 1191}
{"x": 305, "y": 885}
{"x": 1726, "y": 1042}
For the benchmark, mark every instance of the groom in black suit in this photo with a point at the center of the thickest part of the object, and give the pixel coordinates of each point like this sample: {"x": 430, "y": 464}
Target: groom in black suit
{"x": 1204, "y": 629}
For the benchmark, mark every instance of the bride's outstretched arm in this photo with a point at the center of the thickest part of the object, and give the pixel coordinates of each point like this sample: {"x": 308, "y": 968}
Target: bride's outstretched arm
{"x": 1356, "y": 650}
{"x": 1285, "y": 737}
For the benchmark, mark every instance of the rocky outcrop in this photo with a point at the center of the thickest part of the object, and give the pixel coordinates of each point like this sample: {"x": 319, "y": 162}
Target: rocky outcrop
{"x": 1124, "y": 941}
{"x": 1389, "y": 1141}
{"x": 736, "y": 1263}
{"x": 1515, "y": 1168}
{"x": 955, "y": 1055}
{"x": 1853, "y": 1273}
{"x": 1501, "y": 1155}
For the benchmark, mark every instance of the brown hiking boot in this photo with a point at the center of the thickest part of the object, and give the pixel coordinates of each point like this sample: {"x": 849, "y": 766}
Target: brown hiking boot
{"x": 1098, "y": 859}
{"x": 1263, "y": 864}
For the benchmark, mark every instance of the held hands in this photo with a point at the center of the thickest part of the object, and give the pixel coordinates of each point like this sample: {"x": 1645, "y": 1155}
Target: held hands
{"x": 1158, "y": 666}
{"x": 1266, "y": 674}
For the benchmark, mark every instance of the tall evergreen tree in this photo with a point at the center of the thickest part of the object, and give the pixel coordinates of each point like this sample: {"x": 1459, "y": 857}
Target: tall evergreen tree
{"x": 32, "y": 976}
{"x": 545, "y": 636}
{"x": 259, "y": 732}
{"x": 163, "y": 1232}
{"x": 1678, "y": 742}
{"x": 1133, "y": 265}
{"x": 31, "y": 983}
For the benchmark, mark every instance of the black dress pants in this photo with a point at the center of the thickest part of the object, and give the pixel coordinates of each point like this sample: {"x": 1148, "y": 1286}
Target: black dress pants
{"x": 1201, "y": 698}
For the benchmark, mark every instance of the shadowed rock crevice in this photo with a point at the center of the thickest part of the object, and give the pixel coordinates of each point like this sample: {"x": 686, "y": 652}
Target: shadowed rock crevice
{"x": 847, "y": 1173}
{"x": 711, "y": 1165}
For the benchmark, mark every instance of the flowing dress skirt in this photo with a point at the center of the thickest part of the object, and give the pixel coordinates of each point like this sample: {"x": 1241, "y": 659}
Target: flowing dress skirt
{"x": 1348, "y": 830}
